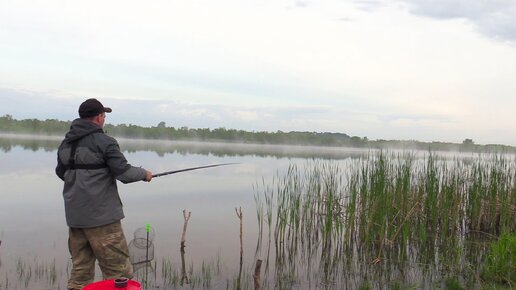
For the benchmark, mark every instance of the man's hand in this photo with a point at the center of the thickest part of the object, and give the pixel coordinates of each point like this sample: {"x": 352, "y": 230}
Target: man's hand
{"x": 148, "y": 176}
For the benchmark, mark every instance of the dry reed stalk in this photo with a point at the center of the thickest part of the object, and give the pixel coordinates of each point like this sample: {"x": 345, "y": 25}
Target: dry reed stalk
{"x": 186, "y": 217}
{"x": 256, "y": 276}
{"x": 184, "y": 276}
{"x": 239, "y": 215}
{"x": 404, "y": 221}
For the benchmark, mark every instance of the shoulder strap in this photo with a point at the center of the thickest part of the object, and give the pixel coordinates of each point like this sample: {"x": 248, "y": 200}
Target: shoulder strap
{"x": 71, "y": 158}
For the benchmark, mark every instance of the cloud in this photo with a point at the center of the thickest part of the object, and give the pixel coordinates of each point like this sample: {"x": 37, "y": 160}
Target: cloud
{"x": 28, "y": 104}
{"x": 247, "y": 115}
{"x": 495, "y": 19}
{"x": 302, "y": 4}
{"x": 368, "y": 5}
{"x": 412, "y": 118}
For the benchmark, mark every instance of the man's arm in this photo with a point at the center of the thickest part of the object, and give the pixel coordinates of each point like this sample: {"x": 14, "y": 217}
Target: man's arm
{"x": 60, "y": 168}
{"x": 121, "y": 169}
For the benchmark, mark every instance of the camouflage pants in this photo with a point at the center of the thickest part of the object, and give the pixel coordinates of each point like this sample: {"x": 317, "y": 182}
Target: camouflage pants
{"x": 106, "y": 244}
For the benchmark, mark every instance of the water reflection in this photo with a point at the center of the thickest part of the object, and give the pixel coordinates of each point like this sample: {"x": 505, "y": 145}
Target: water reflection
{"x": 162, "y": 147}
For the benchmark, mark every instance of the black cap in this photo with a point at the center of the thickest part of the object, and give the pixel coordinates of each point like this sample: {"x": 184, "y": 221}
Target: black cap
{"x": 92, "y": 107}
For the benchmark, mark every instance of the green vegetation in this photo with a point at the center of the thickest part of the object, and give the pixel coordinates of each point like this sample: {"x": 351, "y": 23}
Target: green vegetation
{"x": 452, "y": 284}
{"x": 161, "y": 131}
{"x": 500, "y": 265}
{"x": 384, "y": 214}
{"x": 33, "y": 271}
{"x": 33, "y": 126}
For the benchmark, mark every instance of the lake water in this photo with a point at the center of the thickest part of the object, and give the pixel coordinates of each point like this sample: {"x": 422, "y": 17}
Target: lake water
{"x": 33, "y": 232}
{"x": 33, "y": 228}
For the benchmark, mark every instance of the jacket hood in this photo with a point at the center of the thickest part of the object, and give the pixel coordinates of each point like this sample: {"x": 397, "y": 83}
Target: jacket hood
{"x": 81, "y": 128}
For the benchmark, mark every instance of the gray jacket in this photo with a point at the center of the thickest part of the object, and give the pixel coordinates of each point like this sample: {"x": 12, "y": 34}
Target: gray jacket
{"x": 90, "y": 191}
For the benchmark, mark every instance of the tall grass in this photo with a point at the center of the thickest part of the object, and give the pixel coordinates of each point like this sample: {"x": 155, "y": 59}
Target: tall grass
{"x": 31, "y": 271}
{"x": 500, "y": 264}
{"x": 388, "y": 206}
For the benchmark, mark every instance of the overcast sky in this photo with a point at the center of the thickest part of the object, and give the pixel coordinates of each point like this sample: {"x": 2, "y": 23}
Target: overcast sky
{"x": 440, "y": 70}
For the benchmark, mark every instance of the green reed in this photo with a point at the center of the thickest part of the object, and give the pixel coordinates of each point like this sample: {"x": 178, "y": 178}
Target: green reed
{"x": 500, "y": 263}
{"x": 389, "y": 206}
{"x": 32, "y": 271}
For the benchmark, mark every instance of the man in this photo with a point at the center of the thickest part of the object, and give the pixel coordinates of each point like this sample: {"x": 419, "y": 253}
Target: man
{"x": 89, "y": 162}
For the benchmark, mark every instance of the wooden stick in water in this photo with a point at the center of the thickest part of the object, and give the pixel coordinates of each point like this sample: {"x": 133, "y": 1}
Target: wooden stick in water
{"x": 256, "y": 276}
{"x": 186, "y": 217}
{"x": 184, "y": 278}
{"x": 239, "y": 215}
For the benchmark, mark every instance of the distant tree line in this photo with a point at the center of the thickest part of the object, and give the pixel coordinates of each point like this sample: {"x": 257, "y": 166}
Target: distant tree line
{"x": 33, "y": 126}
{"x": 161, "y": 131}
{"x": 229, "y": 135}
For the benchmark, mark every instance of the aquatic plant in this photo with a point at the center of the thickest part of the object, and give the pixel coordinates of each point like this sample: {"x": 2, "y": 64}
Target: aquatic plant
{"x": 389, "y": 206}
{"x": 500, "y": 264}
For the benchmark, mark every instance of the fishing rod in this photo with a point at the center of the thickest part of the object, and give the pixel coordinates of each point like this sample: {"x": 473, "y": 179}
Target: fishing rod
{"x": 189, "y": 169}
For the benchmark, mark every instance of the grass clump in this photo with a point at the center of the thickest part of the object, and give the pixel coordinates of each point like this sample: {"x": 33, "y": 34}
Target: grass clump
{"x": 452, "y": 284}
{"x": 500, "y": 264}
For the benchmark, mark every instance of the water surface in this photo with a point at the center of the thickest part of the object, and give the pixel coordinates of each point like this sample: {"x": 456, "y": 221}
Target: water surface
{"x": 34, "y": 233}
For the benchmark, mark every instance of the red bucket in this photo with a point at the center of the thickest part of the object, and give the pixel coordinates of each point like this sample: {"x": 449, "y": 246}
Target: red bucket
{"x": 115, "y": 284}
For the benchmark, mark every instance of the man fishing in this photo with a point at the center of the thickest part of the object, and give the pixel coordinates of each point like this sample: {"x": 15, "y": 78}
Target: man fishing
{"x": 89, "y": 162}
